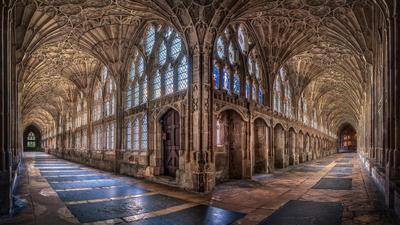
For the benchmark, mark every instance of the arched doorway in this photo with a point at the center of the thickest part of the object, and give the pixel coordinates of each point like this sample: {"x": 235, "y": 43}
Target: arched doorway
{"x": 170, "y": 126}
{"x": 279, "y": 146}
{"x": 230, "y": 143}
{"x": 32, "y": 139}
{"x": 348, "y": 138}
{"x": 260, "y": 150}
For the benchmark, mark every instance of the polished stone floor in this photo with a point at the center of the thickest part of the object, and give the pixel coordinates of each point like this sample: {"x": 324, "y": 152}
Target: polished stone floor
{"x": 331, "y": 191}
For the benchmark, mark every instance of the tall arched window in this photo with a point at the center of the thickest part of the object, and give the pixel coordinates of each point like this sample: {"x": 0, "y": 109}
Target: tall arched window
{"x": 31, "y": 140}
{"x": 282, "y": 94}
{"x": 109, "y": 98}
{"x": 128, "y": 136}
{"x": 236, "y": 65}
{"x": 110, "y": 129}
{"x": 159, "y": 67}
{"x": 277, "y": 94}
{"x": 169, "y": 63}
{"x": 97, "y": 102}
{"x": 80, "y": 122}
{"x": 137, "y": 82}
{"x": 143, "y": 141}
{"x": 136, "y": 133}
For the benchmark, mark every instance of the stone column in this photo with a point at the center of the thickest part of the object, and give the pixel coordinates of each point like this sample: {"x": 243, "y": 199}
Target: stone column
{"x": 9, "y": 154}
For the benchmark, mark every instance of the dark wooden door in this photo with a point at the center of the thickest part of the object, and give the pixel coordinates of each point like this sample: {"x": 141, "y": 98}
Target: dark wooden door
{"x": 171, "y": 142}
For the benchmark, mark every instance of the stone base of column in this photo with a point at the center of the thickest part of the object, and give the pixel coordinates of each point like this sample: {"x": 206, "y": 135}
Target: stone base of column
{"x": 6, "y": 193}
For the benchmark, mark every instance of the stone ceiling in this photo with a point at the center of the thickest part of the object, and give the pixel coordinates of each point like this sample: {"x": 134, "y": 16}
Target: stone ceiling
{"x": 326, "y": 45}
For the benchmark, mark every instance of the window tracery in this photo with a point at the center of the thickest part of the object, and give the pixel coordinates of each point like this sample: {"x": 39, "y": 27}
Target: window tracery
{"x": 236, "y": 65}
{"x": 282, "y": 94}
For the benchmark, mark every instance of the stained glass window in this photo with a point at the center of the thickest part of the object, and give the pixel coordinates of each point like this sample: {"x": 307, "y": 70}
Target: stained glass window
{"x": 216, "y": 76}
{"x": 162, "y": 55}
{"x": 144, "y": 91}
{"x": 260, "y": 96}
{"x": 136, "y": 95}
{"x": 169, "y": 80}
{"x": 242, "y": 39}
{"x": 183, "y": 74}
{"x": 248, "y": 89}
{"x": 176, "y": 47}
{"x": 132, "y": 72}
{"x": 144, "y": 133}
{"x": 254, "y": 92}
{"x": 135, "y": 141}
{"x": 157, "y": 85}
{"x": 220, "y": 48}
{"x": 129, "y": 98}
{"x": 31, "y": 143}
{"x": 226, "y": 80}
{"x": 236, "y": 84}
{"x": 140, "y": 66}
{"x": 128, "y": 135}
{"x": 232, "y": 53}
{"x": 250, "y": 65}
{"x": 150, "y": 38}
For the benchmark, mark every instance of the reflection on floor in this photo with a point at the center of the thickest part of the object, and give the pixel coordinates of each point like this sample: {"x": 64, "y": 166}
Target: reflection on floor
{"x": 331, "y": 191}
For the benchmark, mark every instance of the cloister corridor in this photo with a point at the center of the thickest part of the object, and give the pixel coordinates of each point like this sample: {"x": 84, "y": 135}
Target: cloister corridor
{"x": 330, "y": 191}
{"x": 200, "y": 112}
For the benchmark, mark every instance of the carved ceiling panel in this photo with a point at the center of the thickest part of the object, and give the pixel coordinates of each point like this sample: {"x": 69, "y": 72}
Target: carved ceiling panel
{"x": 326, "y": 45}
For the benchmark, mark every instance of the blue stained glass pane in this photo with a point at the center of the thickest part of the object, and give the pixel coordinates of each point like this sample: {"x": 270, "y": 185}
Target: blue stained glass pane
{"x": 247, "y": 89}
{"x": 236, "y": 84}
{"x": 260, "y": 96}
{"x": 216, "y": 76}
{"x": 162, "y": 56}
{"x": 169, "y": 80}
{"x": 176, "y": 47}
{"x": 226, "y": 80}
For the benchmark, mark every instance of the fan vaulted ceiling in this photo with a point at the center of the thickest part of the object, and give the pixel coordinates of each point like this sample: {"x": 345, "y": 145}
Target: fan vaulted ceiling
{"x": 325, "y": 45}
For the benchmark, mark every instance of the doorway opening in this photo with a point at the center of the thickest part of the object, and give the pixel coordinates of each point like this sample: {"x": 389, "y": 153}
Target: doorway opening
{"x": 32, "y": 139}
{"x": 229, "y": 151}
{"x": 170, "y": 124}
{"x": 347, "y": 139}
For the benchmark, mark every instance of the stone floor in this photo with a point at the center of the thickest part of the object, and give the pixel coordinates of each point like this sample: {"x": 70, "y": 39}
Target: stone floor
{"x": 331, "y": 191}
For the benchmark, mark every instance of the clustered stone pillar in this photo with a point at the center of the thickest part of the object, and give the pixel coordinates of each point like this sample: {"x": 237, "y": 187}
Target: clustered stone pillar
{"x": 10, "y": 153}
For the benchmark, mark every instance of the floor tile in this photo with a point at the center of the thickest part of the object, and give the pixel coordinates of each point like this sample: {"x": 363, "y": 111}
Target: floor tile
{"x": 91, "y": 212}
{"x": 306, "y": 213}
{"x": 198, "y": 215}
{"x": 334, "y": 183}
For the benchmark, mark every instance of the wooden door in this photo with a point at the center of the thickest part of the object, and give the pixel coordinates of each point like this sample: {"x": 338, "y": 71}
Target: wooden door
{"x": 171, "y": 142}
